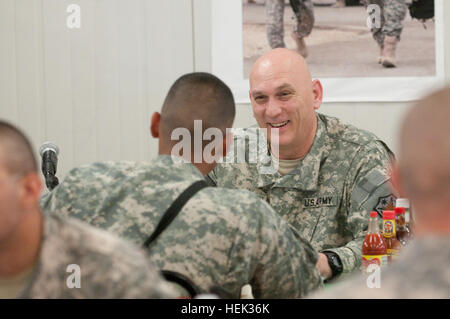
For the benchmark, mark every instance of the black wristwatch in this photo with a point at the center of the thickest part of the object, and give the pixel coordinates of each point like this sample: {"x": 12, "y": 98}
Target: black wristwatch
{"x": 335, "y": 263}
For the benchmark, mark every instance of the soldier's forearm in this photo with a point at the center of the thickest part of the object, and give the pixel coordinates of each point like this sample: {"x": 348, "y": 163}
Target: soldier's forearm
{"x": 350, "y": 255}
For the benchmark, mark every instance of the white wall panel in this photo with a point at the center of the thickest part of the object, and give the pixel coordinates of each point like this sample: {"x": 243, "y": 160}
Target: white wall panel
{"x": 8, "y": 91}
{"x": 92, "y": 90}
{"x": 58, "y": 93}
{"x": 82, "y": 66}
{"x": 28, "y": 69}
{"x": 169, "y": 53}
{"x": 108, "y": 121}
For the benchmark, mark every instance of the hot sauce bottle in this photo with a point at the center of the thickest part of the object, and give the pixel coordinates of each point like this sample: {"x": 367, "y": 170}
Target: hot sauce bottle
{"x": 404, "y": 202}
{"x": 403, "y": 234}
{"x": 393, "y": 246}
{"x": 374, "y": 248}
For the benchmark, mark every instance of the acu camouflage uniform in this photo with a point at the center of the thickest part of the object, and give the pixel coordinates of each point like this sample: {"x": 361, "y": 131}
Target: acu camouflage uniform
{"x": 304, "y": 16}
{"x": 328, "y": 197}
{"x": 221, "y": 237}
{"x": 109, "y": 267}
{"x": 393, "y": 13}
{"x": 421, "y": 271}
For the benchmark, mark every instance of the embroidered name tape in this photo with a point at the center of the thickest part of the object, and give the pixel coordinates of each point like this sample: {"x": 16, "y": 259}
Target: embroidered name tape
{"x": 320, "y": 201}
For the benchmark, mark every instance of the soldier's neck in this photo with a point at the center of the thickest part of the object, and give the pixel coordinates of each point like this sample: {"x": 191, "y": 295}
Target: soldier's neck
{"x": 21, "y": 250}
{"x": 203, "y": 167}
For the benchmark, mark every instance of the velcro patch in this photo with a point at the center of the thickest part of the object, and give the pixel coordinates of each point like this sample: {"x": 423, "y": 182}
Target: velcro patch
{"x": 385, "y": 203}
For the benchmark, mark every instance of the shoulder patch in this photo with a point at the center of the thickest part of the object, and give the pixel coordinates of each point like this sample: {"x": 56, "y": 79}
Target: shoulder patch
{"x": 368, "y": 184}
{"x": 385, "y": 203}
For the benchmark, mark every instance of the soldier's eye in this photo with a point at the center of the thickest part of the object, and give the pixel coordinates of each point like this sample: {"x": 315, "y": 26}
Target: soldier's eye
{"x": 285, "y": 94}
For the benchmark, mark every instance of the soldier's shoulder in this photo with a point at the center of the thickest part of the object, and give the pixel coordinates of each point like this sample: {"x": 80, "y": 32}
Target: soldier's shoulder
{"x": 106, "y": 168}
{"x": 110, "y": 266}
{"x": 338, "y": 130}
{"x": 352, "y": 136}
{"x": 86, "y": 240}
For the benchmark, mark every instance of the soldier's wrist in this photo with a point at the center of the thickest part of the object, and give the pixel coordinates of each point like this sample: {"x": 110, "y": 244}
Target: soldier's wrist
{"x": 335, "y": 263}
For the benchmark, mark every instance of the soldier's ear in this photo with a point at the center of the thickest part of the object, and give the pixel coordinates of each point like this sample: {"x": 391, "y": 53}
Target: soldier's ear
{"x": 317, "y": 93}
{"x": 30, "y": 190}
{"x": 155, "y": 124}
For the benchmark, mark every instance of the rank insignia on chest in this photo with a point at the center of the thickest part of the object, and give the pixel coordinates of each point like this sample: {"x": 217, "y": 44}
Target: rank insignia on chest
{"x": 319, "y": 201}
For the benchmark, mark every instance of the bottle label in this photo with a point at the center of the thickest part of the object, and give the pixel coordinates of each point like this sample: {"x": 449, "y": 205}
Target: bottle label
{"x": 380, "y": 260}
{"x": 388, "y": 228}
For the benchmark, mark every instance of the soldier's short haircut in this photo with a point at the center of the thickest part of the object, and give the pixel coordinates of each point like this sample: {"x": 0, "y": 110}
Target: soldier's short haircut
{"x": 424, "y": 154}
{"x": 197, "y": 96}
{"x": 16, "y": 152}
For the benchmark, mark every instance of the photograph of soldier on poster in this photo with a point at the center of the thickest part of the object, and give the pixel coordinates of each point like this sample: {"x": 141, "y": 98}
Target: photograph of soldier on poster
{"x": 335, "y": 37}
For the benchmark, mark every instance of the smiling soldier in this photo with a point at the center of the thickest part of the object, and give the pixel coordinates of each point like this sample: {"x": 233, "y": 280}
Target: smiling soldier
{"x": 329, "y": 175}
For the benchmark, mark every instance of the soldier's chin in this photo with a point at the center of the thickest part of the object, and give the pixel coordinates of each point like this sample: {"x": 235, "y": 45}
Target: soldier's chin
{"x": 280, "y": 143}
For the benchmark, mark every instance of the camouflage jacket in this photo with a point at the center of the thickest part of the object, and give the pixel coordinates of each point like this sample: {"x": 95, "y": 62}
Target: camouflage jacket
{"x": 421, "y": 271}
{"x": 107, "y": 266}
{"x": 221, "y": 237}
{"x": 328, "y": 197}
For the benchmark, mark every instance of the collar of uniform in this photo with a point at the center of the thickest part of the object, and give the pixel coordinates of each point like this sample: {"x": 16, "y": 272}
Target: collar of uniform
{"x": 306, "y": 175}
{"x": 188, "y": 172}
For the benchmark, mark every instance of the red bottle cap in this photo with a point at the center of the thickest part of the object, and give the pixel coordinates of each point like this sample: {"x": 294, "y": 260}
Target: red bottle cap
{"x": 388, "y": 214}
{"x": 399, "y": 210}
{"x": 373, "y": 214}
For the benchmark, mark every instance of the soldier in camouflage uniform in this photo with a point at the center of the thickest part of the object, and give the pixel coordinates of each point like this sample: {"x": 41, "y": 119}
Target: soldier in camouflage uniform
{"x": 336, "y": 173}
{"x": 38, "y": 253}
{"x": 422, "y": 174}
{"x": 221, "y": 237}
{"x": 304, "y": 15}
{"x": 387, "y": 36}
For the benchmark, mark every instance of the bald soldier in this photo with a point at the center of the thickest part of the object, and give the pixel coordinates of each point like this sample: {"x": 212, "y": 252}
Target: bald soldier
{"x": 421, "y": 174}
{"x": 221, "y": 237}
{"x": 47, "y": 257}
{"x": 327, "y": 175}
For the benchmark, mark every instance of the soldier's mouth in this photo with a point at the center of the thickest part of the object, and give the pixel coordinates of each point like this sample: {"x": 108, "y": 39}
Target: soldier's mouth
{"x": 278, "y": 125}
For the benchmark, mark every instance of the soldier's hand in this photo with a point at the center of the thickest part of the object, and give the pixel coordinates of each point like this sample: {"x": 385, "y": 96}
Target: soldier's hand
{"x": 323, "y": 266}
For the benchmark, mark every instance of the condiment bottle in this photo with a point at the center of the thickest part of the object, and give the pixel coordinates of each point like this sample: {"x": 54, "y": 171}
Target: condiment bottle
{"x": 393, "y": 246}
{"x": 403, "y": 234}
{"x": 374, "y": 248}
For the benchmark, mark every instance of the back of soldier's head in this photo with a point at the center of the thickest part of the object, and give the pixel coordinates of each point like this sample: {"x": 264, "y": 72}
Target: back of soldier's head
{"x": 424, "y": 157}
{"x": 16, "y": 152}
{"x": 197, "y": 96}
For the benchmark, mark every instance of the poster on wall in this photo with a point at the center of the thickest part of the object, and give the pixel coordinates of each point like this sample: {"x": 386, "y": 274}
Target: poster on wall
{"x": 361, "y": 50}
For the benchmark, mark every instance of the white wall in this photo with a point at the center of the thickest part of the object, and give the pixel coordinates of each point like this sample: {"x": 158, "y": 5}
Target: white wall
{"x": 92, "y": 90}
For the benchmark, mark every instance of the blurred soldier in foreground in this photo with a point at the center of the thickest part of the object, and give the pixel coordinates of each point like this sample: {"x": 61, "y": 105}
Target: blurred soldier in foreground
{"x": 422, "y": 174}
{"x": 304, "y": 15}
{"x": 46, "y": 257}
{"x": 330, "y": 175}
{"x": 387, "y": 36}
{"x": 220, "y": 237}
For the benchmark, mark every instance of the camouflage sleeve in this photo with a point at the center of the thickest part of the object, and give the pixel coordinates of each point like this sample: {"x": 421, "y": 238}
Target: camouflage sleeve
{"x": 284, "y": 263}
{"x": 80, "y": 261}
{"x": 368, "y": 188}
